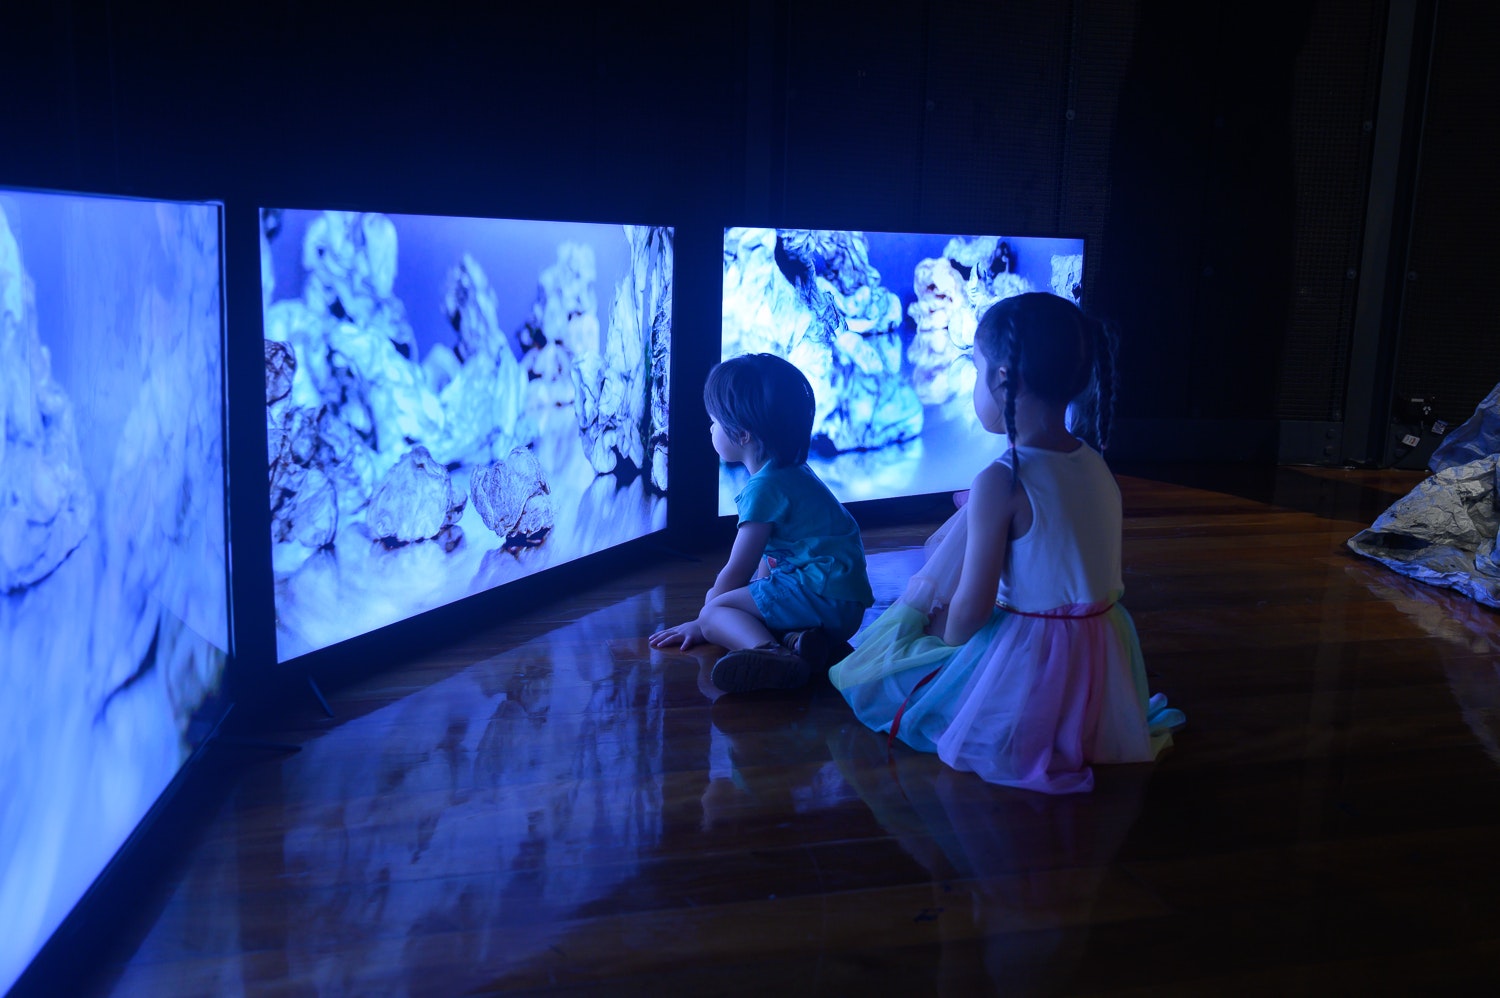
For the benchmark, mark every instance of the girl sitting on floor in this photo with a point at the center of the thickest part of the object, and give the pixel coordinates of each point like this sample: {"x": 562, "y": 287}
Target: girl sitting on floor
{"x": 1009, "y": 654}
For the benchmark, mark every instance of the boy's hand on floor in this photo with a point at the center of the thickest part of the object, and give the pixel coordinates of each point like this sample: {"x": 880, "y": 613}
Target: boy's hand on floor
{"x": 683, "y": 636}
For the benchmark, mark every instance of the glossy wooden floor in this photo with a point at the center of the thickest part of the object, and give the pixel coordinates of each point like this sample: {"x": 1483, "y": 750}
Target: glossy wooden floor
{"x": 557, "y": 806}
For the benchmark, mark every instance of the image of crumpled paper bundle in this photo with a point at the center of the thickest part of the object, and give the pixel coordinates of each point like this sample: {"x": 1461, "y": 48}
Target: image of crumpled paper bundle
{"x": 46, "y": 506}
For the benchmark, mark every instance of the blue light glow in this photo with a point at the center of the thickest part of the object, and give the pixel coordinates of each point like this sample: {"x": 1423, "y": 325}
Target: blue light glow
{"x": 454, "y": 404}
{"x": 114, "y": 607}
{"x": 883, "y": 325}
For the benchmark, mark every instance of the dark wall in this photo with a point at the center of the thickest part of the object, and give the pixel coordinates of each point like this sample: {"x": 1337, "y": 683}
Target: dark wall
{"x": 1216, "y": 156}
{"x": 438, "y": 106}
{"x": 1448, "y": 349}
{"x": 1203, "y": 199}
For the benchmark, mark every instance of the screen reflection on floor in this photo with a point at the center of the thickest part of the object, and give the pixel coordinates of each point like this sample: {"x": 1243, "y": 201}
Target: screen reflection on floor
{"x": 578, "y": 792}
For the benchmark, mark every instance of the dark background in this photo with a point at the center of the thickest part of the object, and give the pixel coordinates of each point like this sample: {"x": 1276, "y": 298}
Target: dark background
{"x": 1217, "y": 156}
{"x": 1285, "y": 202}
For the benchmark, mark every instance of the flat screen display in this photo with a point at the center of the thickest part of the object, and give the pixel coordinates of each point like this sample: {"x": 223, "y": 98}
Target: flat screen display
{"x": 453, "y": 404}
{"x": 114, "y": 596}
{"x": 882, "y": 323}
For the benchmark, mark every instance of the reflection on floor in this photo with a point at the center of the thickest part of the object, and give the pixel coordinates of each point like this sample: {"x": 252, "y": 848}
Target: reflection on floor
{"x": 559, "y": 806}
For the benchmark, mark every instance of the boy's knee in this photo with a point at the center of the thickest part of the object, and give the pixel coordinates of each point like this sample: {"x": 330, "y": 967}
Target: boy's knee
{"x": 737, "y": 600}
{"x": 712, "y": 617}
{"x": 714, "y": 629}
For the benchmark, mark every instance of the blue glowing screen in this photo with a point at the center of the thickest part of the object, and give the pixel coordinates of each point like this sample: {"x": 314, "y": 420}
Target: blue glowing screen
{"x": 454, "y": 404}
{"x": 114, "y": 602}
{"x": 882, "y": 323}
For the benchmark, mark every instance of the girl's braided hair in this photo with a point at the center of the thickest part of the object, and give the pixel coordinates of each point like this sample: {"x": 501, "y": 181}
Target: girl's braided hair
{"x": 1060, "y": 354}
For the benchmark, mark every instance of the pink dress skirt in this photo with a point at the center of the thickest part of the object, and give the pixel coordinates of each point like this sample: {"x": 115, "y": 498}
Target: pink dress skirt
{"x": 1032, "y": 700}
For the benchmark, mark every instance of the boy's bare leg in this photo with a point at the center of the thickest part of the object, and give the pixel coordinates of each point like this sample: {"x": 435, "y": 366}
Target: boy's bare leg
{"x": 733, "y": 621}
{"x": 754, "y": 660}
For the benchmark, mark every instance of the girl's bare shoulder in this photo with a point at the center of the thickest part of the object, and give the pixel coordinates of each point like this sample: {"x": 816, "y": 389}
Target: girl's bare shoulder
{"x": 996, "y": 497}
{"x": 992, "y": 484}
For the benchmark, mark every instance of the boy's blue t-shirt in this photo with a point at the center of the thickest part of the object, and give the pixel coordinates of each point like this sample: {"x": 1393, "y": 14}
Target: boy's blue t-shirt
{"x": 813, "y": 537}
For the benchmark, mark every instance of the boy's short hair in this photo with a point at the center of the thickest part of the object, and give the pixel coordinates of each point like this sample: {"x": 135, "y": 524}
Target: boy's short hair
{"x": 767, "y": 397}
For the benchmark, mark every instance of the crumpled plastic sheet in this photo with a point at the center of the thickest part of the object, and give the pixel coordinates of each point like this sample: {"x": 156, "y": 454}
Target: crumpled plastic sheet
{"x": 1443, "y": 532}
{"x": 1478, "y": 436}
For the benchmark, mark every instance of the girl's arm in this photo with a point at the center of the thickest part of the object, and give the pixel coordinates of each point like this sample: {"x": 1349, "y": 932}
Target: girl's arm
{"x": 744, "y": 559}
{"x": 992, "y": 507}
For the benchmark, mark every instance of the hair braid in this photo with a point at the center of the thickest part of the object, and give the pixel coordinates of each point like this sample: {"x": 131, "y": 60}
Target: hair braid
{"x": 1012, "y": 380}
{"x": 1104, "y": 379}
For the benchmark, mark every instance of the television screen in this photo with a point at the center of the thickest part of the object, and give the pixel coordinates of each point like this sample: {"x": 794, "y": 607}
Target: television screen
{"x": 882, "y": 323}
{"x": 114, "y": 595}
{"x": 454, "y": 404}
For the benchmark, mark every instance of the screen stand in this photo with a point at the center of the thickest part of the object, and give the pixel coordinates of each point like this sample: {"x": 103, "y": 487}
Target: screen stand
{"x": 312, "y": 684}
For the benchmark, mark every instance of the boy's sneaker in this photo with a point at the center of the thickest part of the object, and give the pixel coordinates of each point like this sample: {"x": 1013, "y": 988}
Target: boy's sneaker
{"x": 769, "y": 667}
{"x": 816, "y": 646}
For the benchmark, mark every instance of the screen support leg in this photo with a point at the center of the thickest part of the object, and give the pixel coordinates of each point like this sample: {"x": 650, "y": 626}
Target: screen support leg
{"x": 312, "y": 684}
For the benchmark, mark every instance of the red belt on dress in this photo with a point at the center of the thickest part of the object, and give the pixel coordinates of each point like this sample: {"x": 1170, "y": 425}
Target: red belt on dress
{"x": 1059, "y": 613}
